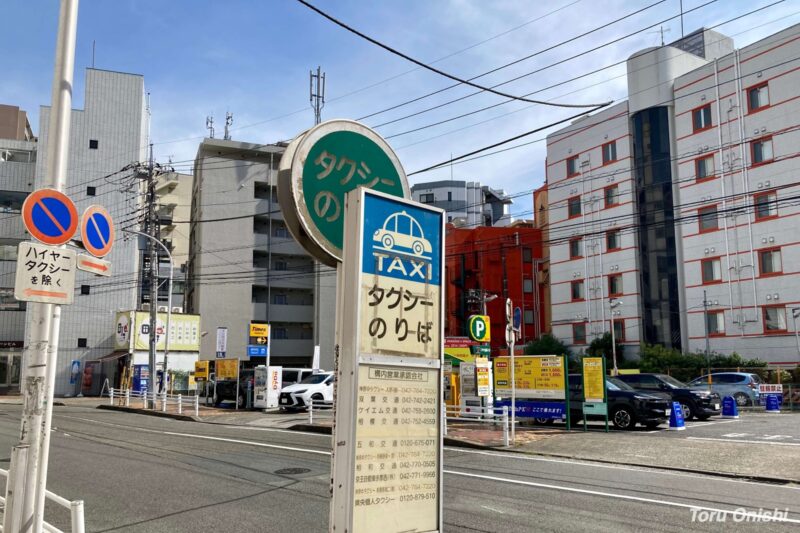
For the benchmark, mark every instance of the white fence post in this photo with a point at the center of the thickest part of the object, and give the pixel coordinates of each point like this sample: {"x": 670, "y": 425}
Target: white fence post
{"x": 444, "y": 419}
{"x": 180, "y": 404}
{"x": 505, "y": 425}
{"x": 110, "y": 396}
{"x": 128, "y": 398}
{"x": 310, "y": 412}
{"x": 164, "y": 402}
{"x": 76, "y": 514}
{"x": 196, "y": 405}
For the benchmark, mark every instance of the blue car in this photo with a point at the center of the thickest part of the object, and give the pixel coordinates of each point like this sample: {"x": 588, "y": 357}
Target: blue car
{"x": 743, "y": 386}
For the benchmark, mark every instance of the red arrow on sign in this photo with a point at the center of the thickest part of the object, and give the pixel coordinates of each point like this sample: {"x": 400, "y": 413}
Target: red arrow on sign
{"x": 96, "y": 266}
{"x": 50, "y": 294}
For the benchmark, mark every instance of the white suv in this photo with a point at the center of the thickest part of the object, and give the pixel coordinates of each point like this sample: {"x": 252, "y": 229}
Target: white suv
{"x": 317, "y": 388}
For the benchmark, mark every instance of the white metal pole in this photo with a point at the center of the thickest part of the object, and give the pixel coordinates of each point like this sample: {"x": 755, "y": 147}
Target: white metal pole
{"x": 513, "y": 394}
{"x": 76, "y": 512}
{"x": 505, "y": 425}
{"x": 15, "y": 489}
{"x": 613, "y": 342}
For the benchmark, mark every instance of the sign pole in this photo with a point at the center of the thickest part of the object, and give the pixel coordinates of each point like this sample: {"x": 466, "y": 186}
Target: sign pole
{"x": 42, "y": 353}
{"x": 605, "y": 391}
{"x": 566, "y": 389}
{"x": 510, "y": 343}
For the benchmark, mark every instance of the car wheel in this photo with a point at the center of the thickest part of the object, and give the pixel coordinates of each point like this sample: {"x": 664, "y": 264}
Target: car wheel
{"x": 741, "y": 399}
{"x": 544, "y": 421}
{"x": 241, "y": 401}
{"x": 317, "y": 399}
{"x": 688, "y": 410}
{"x": 388, "y": 242}
{"x": 417, "y": 248}
{"x": 623, "y": 418}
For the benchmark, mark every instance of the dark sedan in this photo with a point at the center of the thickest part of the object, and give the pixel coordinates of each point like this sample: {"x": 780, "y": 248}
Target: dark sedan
{"x": 696, "y": 402}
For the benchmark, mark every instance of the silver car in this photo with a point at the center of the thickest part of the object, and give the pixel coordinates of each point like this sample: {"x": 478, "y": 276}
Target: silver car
{"x": 743, "y": 386}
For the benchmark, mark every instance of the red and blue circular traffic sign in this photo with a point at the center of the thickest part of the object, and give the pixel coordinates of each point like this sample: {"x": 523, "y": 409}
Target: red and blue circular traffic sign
{"x": 97, "y": 231}
{"x": 50, "y": 216}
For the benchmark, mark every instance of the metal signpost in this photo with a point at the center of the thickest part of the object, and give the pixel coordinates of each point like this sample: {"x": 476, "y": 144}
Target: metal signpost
{"x": 595, "y": 400}
{"x": 387, "y": 464}
{"x": 510, "y": 338}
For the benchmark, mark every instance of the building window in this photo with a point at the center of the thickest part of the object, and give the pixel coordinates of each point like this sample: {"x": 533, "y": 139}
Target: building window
{"x": 574, "y": 207}
{"x": 757, "y": 97}
{"x": 280, "y": 299}
{"x": 701, "y": 118}
{"x": 527, "y": 255}
{"x": 711, "y": 270}
{"x": 449, "y": 196}
{"x": 609, "y": 152}
{"x": 8, "y": 302}
{"x": 85, "y": 289}
{"x": 281, "y": 232}
{"x": 281, "y": 265}
{"x": 761, "y": 151}
{"x": 766, "y": 205}
{"x": 579, "y": 333}
{"x": 572, "y": 166}
{"x": 615, "y": 285}
{"x": 769, "y": 262}
{"x": 707, "y": 219}
{"x": 426, "y": 198}
{"x": 91, "y": 191}
{"x": 611, "y": 195}
{"x": 93, "y": 143}
{"x": 529, "y": 316}
{"x": 619, "y": 329}
{"x": 613, "y": 240}
{"x": 279, "y": 333}
{"x": 576, "y": 290}
{"x": 704, "y": 168}
{"x": 715, "y": 323}
{"x": 527, "y": 286}
{"x": 8, "y": 252}
{"x": 576, "y": 248}
{"x": 774, "y": 319}
{"x": 82, "y": 342}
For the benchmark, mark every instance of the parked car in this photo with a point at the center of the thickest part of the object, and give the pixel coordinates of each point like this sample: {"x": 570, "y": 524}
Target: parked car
{"x": 626, "y": 406}
{"x": 696, "y": 402}
{"x": 225, "y": 390}
{"x": 742, "y": 386}
{"x": 317, "y": 388}
{"x": 290, "y": 376}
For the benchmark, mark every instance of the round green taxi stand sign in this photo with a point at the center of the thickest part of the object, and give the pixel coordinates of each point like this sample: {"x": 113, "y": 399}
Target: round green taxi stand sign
{"x": 319, "y": 168}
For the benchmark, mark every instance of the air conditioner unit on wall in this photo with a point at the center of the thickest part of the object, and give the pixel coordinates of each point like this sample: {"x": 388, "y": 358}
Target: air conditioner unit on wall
{"x": 177, "y": 309}
{"x": 163, "y": 308}
{"x": 145, "y": 307}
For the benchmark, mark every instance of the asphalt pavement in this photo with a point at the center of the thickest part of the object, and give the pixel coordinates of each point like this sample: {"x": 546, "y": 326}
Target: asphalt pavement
{"x": 142, "y": 473}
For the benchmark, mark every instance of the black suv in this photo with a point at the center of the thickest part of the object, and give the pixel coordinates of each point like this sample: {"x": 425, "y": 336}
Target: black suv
{"x": 626, "y": 406}
{"x": 226, "y": 390}
{"x": 696, "y": 402}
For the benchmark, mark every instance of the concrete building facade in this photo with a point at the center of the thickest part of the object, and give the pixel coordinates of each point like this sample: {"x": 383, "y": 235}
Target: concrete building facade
{"x": 467, "y": 203}
{"x": 245, "y": 266}
{"x": 680, "y": 203}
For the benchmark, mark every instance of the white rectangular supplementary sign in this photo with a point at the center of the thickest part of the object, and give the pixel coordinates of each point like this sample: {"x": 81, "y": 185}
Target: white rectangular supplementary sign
{"x": 45, "y": 274}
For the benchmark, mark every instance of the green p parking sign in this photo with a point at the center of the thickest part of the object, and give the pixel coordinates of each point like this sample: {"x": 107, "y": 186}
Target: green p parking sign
{"x": 479, "y": 328}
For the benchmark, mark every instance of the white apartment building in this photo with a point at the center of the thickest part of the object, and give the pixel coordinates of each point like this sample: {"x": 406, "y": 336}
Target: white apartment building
{"x": 108, "y": 134}
{"x": 681, "y": 203}
{"x": 244, "y": 264}
{"x": 467, "y": 203}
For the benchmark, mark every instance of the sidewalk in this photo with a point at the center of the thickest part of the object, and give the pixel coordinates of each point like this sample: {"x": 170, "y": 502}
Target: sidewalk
{"x": 757, "y": 461}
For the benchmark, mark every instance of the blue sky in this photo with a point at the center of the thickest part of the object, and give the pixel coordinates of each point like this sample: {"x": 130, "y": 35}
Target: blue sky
{"x": 252, "y": 57}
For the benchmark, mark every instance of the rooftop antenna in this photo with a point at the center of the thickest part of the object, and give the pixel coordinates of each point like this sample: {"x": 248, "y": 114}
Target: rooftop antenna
{"x": 228, "y": 122}
{"x": 316, "y": 87}
{"x": 210, "y": 126}
{"x": 93, "y": 45}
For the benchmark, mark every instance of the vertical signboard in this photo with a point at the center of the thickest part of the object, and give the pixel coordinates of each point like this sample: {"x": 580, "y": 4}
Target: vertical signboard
{"x": 482, "y": 367}
{"x": 387, "y": 456}
{"x": 594, "y": 388}
{"x": 222, "y": 343}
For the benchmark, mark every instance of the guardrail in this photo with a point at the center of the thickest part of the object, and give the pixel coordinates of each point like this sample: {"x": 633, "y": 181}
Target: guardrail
{"x": 160, "y": 401}
{"x": 319, "y": 407}
{"x": 478, "y": 415}
{"x": 75, "y": 508}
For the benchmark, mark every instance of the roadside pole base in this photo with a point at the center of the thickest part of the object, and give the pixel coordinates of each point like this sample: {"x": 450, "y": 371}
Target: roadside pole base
{"x": 680, "y": 428}
{"x": 730, "y": 417}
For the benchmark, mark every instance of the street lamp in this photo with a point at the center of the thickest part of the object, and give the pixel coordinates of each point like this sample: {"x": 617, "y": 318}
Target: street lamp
{"x": 612, "y": 303}
{"x": 153, "y": 373}
{"x": 795, "y": 315}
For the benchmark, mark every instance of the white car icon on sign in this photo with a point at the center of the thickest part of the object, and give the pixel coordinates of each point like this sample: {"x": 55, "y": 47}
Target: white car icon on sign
{"x": 401, "y": 230}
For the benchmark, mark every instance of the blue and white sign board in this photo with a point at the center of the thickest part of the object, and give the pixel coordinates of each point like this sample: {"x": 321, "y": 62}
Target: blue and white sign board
{"x": 517, "y": 319}
{"x": 389, "y": 319}
{"x": 531, "y": 409}
{"x": 256, "y": 350}
{"x": 222, "y": 343}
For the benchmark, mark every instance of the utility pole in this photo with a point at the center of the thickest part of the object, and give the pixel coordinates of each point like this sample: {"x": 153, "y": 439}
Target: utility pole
{"x": 228, "y": 121}
{"x": 25, "y": 487}
{"x": 708, "y": 346}
{"x": 152, "y": 253}
{"x": 316, "y": 96}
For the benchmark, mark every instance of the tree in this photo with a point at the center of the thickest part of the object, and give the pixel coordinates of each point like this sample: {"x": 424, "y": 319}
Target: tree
{"x": 546, "y": 345}
{"x": 601, "y": 346}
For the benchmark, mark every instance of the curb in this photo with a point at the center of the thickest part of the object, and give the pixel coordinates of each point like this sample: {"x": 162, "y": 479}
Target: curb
{"x": 185, "y": 418}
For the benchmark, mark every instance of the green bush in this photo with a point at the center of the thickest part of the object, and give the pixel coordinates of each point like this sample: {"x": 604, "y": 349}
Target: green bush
{"x": 687, "y": 366}
{"x": 546, "y": 345}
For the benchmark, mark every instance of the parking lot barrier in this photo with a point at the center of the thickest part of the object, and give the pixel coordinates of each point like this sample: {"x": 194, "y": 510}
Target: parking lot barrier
{"x": 729, "y": 407}
{"x": 676, "y": 422}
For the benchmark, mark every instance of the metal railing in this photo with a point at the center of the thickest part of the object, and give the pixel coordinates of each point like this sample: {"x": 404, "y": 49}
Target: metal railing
{"x": 488, "y": 415}
{"x": 160, "y": 401}
{"x": 75, "y": 508}
{"x": 322, "y": 409}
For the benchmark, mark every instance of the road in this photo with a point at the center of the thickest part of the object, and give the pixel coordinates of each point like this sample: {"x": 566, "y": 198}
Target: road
{"x": 141, "y": 473}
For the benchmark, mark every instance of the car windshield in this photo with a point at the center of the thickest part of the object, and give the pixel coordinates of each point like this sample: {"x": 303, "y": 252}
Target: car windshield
{"x": 672, "y": 381}
{"x": 617, "y": 384}
{"x": 313, "y": 379}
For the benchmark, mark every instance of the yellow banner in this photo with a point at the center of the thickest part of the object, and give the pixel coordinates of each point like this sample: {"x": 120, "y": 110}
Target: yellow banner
{"x": 593, "y": 379}
{"x": 482, "y": 366}
{"x": 535, "y": 376}
{"x": 184, "y": 331}
{"x": 227, "y": 368}
{"x": 201, "y": 370}
{"x": 259, "y": 330}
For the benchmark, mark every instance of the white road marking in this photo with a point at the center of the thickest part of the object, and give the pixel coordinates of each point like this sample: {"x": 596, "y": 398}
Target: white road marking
{"x": 772, "y": 443}
{"x": 647, "y": 470}
{"x": 493, "y": 509}
{"x": 248, "y": 442}
{"x": 704, "y": 424}
{"x": 610, "y": 495}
